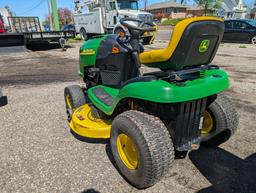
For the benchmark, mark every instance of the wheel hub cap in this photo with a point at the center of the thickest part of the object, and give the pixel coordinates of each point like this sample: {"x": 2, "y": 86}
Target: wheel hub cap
{"x": 127, "y": 151}
{"x": 68, "y": 102}
{"x": 208, "y": 123}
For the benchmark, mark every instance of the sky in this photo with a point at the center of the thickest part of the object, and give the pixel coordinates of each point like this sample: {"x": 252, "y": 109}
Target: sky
{"x": 39, "y": 7}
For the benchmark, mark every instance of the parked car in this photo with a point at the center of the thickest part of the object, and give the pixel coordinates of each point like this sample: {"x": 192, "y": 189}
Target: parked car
{"x": 68, "y": 27}
{"x": 240, "y": 30}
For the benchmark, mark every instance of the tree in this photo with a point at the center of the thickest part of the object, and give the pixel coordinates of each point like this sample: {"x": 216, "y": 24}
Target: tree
{"x": 65, "y": 16}
{"x": 209, "y": 4}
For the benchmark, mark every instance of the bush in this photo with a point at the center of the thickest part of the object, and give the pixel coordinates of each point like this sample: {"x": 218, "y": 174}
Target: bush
{"x": 172, "y": 21}
{"x": 77, "y": 39}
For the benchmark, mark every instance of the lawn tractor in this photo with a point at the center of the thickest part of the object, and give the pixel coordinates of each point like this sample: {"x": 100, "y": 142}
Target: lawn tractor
{"x": 149, "y": 118}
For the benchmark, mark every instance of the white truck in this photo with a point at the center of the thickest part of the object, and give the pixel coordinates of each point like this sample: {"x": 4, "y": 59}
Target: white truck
{"x": 102, "y": 16}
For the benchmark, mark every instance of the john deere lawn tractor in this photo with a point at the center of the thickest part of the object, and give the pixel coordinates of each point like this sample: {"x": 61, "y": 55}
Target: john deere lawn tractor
{"x": 152, "y": 117}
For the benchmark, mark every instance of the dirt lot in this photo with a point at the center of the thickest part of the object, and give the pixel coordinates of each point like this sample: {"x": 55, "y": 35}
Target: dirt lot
{"x": 39, "y": 154}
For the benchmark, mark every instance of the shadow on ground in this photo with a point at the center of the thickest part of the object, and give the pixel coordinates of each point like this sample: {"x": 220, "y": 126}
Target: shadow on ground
{"x": 226, "y": 172}
{"x": 45, "y": 46}
{"x": 37, "y": 69}
{"x": 91, "y": 190}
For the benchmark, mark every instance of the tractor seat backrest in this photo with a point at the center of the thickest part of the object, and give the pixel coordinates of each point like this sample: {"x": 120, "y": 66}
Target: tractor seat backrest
{"x": 194, "y": 42}
{"x": 198, "y": 45}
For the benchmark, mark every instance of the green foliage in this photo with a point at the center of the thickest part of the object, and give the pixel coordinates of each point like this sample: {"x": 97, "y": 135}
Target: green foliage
{"x": 209, "y": 4}
{"x": 242, "y": 46}
{"x": 171, "y": 21}
{"x": 65, "y": 17}
{"x": 77, "y": 39}
{"x": 217, "y": 4}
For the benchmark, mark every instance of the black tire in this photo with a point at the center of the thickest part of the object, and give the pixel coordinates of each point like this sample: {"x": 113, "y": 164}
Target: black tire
{"x": 253, "y": 40}
{"x": 153, "y": 143}
{"x": 83, "y": 34}
{"x": 77, "y": 98}
{"x": 225, "y": 121}
{"x": 146, "y": 40}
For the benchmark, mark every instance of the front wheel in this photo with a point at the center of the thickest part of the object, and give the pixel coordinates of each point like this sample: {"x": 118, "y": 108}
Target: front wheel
{"x": 83, "y": 34}
{"x": 220, "y": 121}
{"x": 142, "y": 147}
{"x": 74, "y": 98}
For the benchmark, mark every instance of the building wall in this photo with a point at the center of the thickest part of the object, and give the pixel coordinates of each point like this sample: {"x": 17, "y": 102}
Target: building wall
{"x": 5, "y": 13}
{"x": 195, "y": 13}
{"x": 171, "y": 12}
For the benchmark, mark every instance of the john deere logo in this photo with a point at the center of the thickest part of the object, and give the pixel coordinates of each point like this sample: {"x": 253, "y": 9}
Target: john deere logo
{"x": 87, "y": 52}
{"x": 204, "y": 46}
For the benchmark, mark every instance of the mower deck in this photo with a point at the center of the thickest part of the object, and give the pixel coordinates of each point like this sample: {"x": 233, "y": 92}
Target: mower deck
{"x": 85, "y": 124}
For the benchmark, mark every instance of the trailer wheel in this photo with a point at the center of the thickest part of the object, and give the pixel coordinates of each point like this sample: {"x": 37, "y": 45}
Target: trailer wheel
{"x": 142, "y": 148}
{"x": 74, "y": 98}
{"x": 83, "y": 34}
{"x": 220, "y": 121}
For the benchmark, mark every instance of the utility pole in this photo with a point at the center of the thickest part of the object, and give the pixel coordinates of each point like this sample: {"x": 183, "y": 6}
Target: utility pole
{"x": 50, "y": 14}
{"x": 55, "y": 15}
{"x": 145, "y": 5}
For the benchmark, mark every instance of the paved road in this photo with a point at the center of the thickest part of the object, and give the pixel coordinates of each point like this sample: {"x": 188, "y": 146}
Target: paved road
{"x": 163, "y": 35}
{"x": 39, "y": 154}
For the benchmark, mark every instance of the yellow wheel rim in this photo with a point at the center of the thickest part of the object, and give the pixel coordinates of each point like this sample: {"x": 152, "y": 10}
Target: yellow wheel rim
{"x": 127, "y": 151}
{"x": 68, "y": 101}
{"x": 207, "y": 124}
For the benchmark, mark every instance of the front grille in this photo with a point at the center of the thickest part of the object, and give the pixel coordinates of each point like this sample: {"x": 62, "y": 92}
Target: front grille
{"x": 188, "y": 120}
{"x": 110, "y": 78}
{"x": 146, "y": 18}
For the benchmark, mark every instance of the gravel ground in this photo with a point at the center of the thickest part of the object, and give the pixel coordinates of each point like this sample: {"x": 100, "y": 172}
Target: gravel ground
{"x": 39, "y": 154}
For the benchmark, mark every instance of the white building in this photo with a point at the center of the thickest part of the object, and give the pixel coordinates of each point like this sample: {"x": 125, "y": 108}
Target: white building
{"x": 232, "y": 9}
{"x": 5, "y": 14}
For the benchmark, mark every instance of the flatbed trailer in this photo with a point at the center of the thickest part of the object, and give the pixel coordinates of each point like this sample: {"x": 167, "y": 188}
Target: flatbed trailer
{"x": 50, "y": 36}
{"x": 28, "y": 30}
{"x": 11, "y": 39}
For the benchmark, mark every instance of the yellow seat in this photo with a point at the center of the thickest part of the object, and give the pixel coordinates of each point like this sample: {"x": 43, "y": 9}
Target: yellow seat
{"x": 163, "y": 55}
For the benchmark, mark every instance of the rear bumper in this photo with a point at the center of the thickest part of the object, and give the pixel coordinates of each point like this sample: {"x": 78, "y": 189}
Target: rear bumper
{"x": 188, "y": 123}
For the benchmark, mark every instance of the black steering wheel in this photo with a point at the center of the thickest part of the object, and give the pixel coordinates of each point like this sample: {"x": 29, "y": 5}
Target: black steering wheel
{"x": 140, "y": 29}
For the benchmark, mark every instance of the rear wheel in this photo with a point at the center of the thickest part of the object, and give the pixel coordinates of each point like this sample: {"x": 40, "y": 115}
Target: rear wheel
{"x": 142, "y": 147}
{"x": 83, "y": 34}
{"x": 253, "y": 40}
{"x": 74, "y": 98}
{"x": 220, "y": 121}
